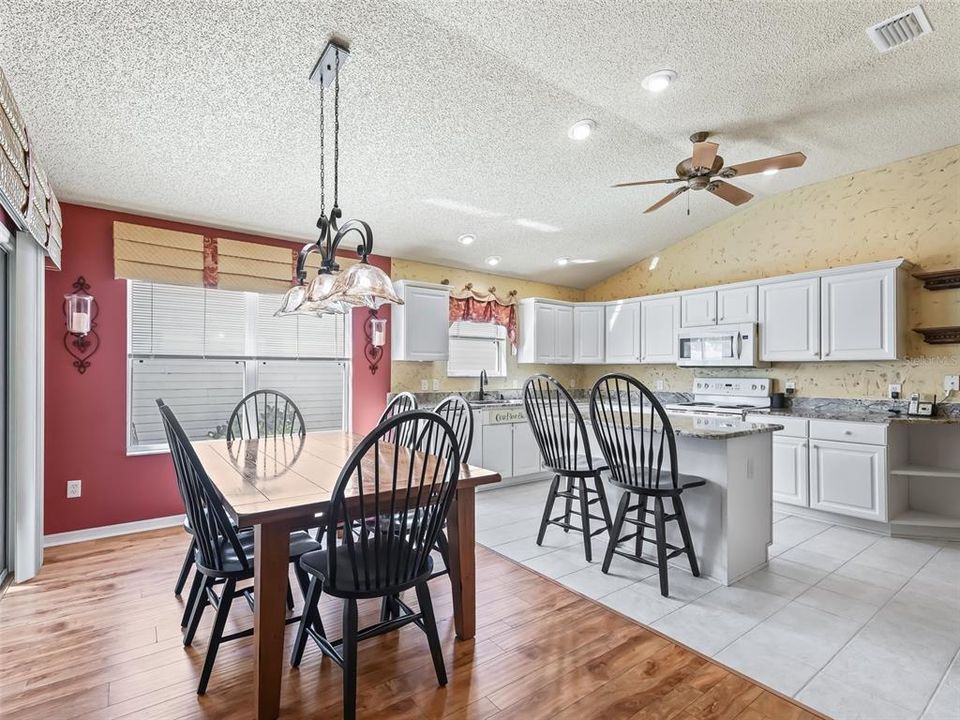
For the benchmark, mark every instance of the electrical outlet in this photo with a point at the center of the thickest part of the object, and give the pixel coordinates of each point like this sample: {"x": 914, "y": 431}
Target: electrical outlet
{"x": 661, "y": 385}
{"x": 436, "y": 384}
{"x": 894, "y": 391}
{"x": 73, "y": 488}
{"x": 951, "y": 382}
{"x": 424, "y": 385}
{"x": 790, "y": 387}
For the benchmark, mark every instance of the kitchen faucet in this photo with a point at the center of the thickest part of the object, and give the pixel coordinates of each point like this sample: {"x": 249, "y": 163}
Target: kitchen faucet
{"x": 483, "y": 381}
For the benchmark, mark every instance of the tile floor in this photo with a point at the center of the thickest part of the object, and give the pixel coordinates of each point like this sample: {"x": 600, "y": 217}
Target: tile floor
{"x": 853, "y": 624}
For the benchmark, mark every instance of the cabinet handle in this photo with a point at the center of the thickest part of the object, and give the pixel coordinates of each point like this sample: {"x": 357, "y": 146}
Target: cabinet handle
{"x": 848, "y": 432}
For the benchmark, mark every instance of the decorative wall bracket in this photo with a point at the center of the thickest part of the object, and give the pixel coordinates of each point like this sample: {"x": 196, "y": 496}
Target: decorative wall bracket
{"x": 82, "y": 346}
{"x": 940, "y": 279}
{"x": 373, "y": 329}
{"x": 940, "y": 335}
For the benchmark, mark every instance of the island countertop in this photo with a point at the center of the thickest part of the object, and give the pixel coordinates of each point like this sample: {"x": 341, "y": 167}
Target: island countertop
{"x": 710, "y": 427}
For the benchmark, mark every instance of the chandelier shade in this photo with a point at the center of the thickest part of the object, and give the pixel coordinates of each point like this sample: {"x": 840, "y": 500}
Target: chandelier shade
{"x": 365, "y": 284}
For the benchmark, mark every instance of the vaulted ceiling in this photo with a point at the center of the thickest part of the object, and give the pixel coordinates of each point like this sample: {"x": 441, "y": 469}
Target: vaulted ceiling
{"x": 455, "y": 113}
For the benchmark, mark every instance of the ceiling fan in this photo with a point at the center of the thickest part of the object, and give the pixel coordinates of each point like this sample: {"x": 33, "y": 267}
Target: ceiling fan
{"x": 704, "y": 170}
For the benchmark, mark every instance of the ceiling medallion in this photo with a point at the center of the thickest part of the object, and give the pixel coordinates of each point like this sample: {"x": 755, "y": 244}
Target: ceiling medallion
{"x": 362, "y": 284}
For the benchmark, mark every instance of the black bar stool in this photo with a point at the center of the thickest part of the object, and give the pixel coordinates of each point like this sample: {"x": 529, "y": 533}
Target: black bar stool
{"x": 632, "y": 440}
{"x": 562, "y": 437}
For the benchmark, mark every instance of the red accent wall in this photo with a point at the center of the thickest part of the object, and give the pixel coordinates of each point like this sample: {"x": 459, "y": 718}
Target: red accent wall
{"x": 85, "y": 415}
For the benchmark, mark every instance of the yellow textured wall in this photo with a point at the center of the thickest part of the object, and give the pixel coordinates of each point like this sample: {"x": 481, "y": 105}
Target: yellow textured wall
{"x": 909, "y": 209}
{"x": 407, "y": 375}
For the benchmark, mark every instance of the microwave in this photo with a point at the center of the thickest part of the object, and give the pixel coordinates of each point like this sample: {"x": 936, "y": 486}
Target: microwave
{"x": 719, "y": 346}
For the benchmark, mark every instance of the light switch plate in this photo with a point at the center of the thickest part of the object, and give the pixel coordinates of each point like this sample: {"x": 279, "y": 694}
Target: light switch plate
{"x": 424, "y": 385}
{"x": 660, "y": 385}
{"x": 790, "y": 387}
{"x": 436, "y": 384}
{"x": 894, "y": 391}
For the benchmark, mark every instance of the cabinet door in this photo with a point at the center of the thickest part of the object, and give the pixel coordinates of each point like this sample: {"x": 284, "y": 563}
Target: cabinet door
{"x": 545, "y": 333}
{"x": 790, "y": 320}
{"x": 588, "y": 334}
{"x": 859, "y": 316}
{"x": 622, "y": 336}
{"x": 737, "y": 305}
{"x": 526, "y": 454}
{"x": 476, "y": 445}
{"x": 698, "y": 308}
{"x": 497, "y": 449}
{"x": 659, "y": 322}
{"x": 790, "y": 459}
{"x": 427, "y": 324}
{"x": 563, "y": 347}
{"x": 849, "y": 479}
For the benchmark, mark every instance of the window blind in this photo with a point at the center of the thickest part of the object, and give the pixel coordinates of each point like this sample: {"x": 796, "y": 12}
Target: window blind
{"x": 475, "y": 347}
{"x": 316, "y": 386}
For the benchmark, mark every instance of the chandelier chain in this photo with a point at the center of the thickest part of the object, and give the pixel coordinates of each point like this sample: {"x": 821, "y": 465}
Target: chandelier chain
{"x": 336, "y": 128}
{"x": 322, "y": 174}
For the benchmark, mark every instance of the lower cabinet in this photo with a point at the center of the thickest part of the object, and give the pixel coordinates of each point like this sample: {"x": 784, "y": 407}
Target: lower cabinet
{"x": 508, "y": 448}
{"x": 497, "y": 451}
{"x": 526, "y": 454}
{"x": 790, "y": 460}
{"x": 849, "y": 478}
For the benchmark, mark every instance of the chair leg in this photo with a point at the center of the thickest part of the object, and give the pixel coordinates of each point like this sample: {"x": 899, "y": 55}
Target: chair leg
{"x": 548, "y": 508}
{"x": 430, "y": 628}
{"x": 191, "y": 599}
{"x": 661, "y": 545}
{"x": 604, "y": 506}
{"x": 443, "y": 546}
{"x": 642, "y": 517}
{"x": 615, "y": 531}
{"x": 226, "y": 599}
{"x": 289, "y": 596}
{"x": 196, "y": 612}
{"x": 311, "y": 614}
{"x": 568, "y": 505}
{"x": 685, "y": 534}
{"x": 185, "y": 568}
{"x": 389, "y": 607}
{"x": 585, "y": 519}
{"x": 349, "y": 651}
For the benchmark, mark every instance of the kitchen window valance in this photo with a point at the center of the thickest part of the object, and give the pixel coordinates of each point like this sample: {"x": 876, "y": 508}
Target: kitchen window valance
{"x": 142, "y": 252}
{"x": 486, "y": 307}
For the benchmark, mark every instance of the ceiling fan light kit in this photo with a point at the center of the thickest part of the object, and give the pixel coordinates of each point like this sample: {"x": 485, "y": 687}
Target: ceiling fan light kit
{"x": 704, "y": 170}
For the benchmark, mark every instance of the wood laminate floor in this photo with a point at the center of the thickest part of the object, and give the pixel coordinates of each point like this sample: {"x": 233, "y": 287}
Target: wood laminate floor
{"x": 97, "y": 636}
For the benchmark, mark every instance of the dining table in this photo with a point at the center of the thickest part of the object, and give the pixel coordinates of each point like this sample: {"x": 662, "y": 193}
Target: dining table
{"x": 279, "y": 484}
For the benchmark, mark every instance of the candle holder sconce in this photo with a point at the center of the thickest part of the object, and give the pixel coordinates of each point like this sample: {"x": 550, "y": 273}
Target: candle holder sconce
{"x": 80, "y": 311}
{"x": 375, "y": 328}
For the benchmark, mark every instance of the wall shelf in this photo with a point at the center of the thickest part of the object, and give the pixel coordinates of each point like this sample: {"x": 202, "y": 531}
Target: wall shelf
{"x": 940, "y": 335}
{"x": 940, "y": 279}
{"x": 925, "y": 519}
{"x": 925, "y": 471}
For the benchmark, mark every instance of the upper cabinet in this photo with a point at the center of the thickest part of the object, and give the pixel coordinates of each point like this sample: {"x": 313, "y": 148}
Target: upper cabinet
{"x": 789, "y": 312}
{"x": 546, "y": 332}
{"x": 622, "y": 332}
{"x": 421, "y": 326}
{"x": 588, "y": 333}
{"x": 659, "y": 322}
{"x": 698, "y": 308}
{"x": 737, "y": 305}
{"x": 859, "y": 315}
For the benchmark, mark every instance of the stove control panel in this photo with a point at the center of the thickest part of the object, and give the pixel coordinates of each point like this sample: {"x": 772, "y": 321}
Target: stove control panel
{"x": 746, "y": 387}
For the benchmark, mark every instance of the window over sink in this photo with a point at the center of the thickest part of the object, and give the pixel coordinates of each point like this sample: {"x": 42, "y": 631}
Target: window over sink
{"x": 475, "y": 347}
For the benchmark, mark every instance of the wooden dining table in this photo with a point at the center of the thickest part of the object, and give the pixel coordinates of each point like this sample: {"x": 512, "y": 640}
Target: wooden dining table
{"x": 277, "y": 485}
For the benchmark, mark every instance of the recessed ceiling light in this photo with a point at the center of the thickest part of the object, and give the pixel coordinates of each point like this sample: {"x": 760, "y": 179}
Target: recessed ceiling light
{"x": 466, "y": 239}
{"x": 492, "y": 260}
{"x": 658, "y": 81}
{"x": 654, "y": 261}
{"x": 581, "y": 129}
{"x": 771, "y": 171}
{"x": 561, "y": 261}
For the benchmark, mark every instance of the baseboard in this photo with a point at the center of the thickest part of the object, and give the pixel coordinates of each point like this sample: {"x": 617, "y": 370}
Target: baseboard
{"x": 106, "y": 531}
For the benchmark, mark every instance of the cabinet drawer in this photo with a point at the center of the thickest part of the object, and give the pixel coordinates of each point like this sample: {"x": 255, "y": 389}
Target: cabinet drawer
{"x": 792, "y": 426}
{"x": 869, "y": 433}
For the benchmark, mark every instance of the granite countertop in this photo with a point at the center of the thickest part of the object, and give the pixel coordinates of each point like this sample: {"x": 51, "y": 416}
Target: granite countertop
{"x": 864, "y": 412}
{"x": 713, "y": 427}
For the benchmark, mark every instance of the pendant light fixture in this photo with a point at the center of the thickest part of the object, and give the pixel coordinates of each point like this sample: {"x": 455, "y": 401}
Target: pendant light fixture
{"x": 361, "y": 284}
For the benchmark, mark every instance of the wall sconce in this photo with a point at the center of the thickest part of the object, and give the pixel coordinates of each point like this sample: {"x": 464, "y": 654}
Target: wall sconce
{"x": 80, "y": 311}
{"x": 375, "y": 328}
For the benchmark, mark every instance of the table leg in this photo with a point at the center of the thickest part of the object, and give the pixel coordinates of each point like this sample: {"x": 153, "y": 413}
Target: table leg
{"x": 272, "y": 556}
{"x": 461, "y": 527}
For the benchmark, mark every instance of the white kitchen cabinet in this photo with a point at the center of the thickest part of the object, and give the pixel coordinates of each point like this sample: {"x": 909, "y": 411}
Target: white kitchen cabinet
{"x": 790, "y": 480}
{"x": 476, "y": 446}
{"x": 737, "y": 305}
{"x": 526, "y": 454}
{"x": 420, "y": 327}
{"x": 659, "y": 322}
{"x": 546, "y": 332}
{"x": 698, "y": 308}
{"x": 789, "y": 312}
{"x": 622, "y": 333}
{"x": 849, "y": 479}
{"x": 588, "y": 333}
{"x": 859, "y": 315}
{"x": 497, "y": 449}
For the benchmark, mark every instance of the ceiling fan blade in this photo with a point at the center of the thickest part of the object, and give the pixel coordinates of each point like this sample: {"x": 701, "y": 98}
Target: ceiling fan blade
{"x": 778, "y": 162}
{"x": 668, "y": 198}
{"x": 731, "y": 193}
{"x": 704, "y": 153}
{"x": 647, "y": 182}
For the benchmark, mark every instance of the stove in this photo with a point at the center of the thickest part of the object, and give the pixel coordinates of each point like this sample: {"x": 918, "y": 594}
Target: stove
{"x": 726, "y": 396}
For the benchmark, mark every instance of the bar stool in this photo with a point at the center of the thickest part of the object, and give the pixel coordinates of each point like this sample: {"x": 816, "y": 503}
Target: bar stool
{"x": 627, "y": 433}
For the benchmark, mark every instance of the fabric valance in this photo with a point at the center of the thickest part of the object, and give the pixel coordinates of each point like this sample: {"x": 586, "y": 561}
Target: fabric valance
{"x": 142, "y": 252}
{"x": 478, "y": 306}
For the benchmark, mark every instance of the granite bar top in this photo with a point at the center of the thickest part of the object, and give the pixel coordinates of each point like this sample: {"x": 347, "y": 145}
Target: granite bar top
{"x": 715, "y": 427}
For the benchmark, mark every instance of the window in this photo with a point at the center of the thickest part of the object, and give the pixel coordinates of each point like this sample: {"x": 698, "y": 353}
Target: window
{"x": 477, "y": 346}
{"x": 201, "y": 350}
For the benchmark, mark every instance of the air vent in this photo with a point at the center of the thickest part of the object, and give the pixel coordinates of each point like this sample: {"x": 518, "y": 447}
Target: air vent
{"x": 900, "y": 29}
